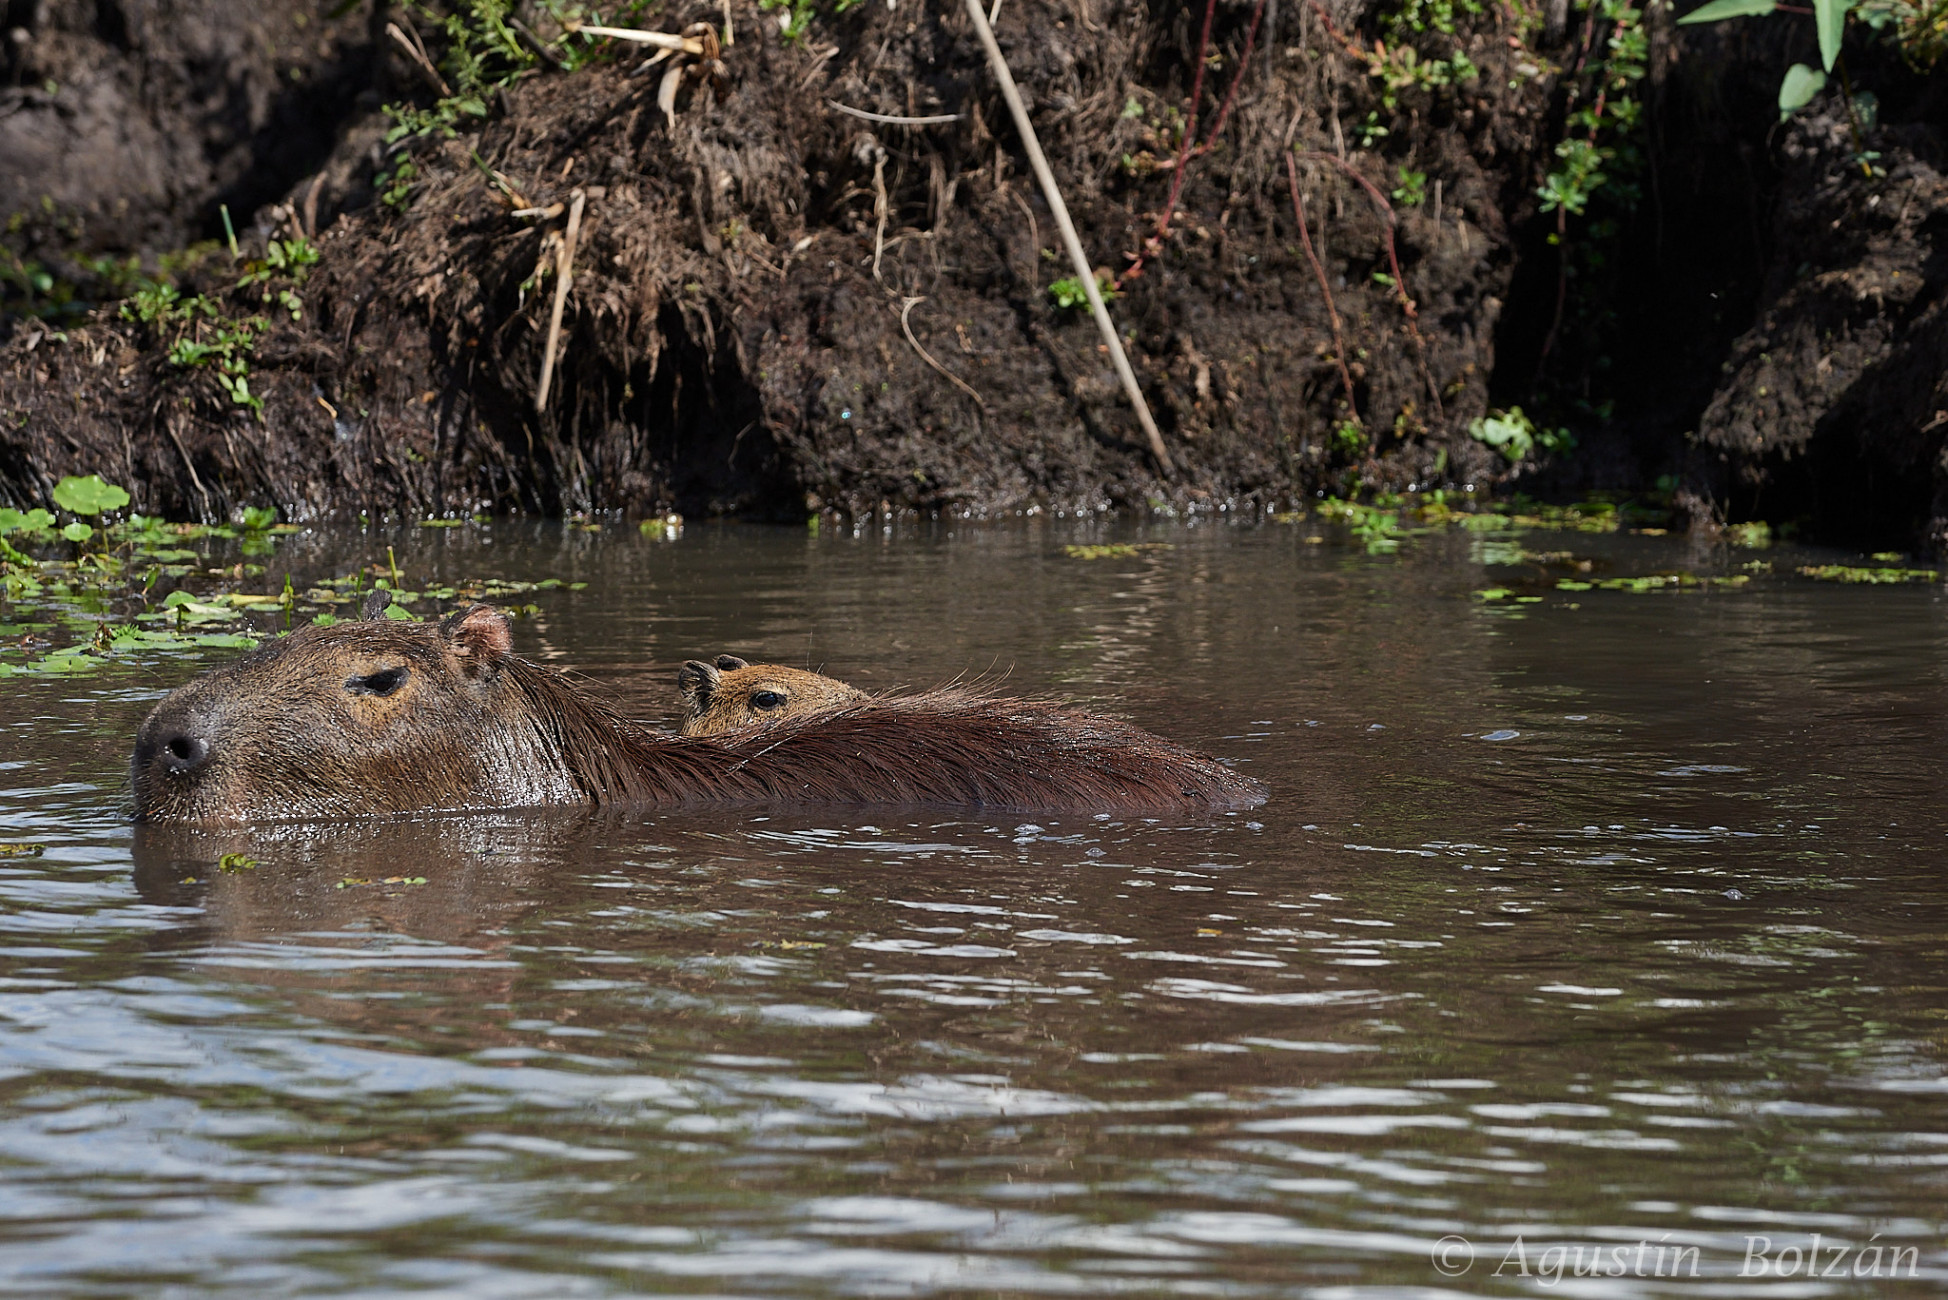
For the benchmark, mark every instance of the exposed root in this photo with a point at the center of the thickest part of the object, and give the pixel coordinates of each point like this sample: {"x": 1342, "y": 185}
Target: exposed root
{"x": 1325, "y": 290}
{"x": 906, "y": 306}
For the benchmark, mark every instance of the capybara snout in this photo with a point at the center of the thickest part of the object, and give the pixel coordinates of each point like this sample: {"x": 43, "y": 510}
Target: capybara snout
{"x": 362, "y": 716}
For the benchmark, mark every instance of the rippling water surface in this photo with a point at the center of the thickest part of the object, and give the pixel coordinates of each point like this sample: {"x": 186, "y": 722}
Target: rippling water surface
{"x": 1606, "y": 933}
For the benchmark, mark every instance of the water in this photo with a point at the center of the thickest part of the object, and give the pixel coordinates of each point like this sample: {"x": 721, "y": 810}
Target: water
{"x": 1613, "y": 922}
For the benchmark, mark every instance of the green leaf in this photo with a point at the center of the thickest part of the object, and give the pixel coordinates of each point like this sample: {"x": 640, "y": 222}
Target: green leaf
{"x": 1719, "y": 10}
{"x": 1798, "y": 89}
{"x": 398, "y": 614}
{"x": 77, "y": 532}
{"x": 88, "y": 496}
{"x": 34, "y": 521}
{"x": 1831, "y": 18}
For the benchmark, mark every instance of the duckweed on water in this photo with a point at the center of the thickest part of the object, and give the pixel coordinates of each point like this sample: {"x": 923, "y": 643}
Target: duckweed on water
{"x": 1851, "y": 573}
{"x": 1379, "y": 525}
{"x": 82, "y": 595}
{"x": 1114, "y": 551}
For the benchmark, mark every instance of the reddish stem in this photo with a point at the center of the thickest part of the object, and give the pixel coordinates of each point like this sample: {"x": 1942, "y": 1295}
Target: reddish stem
{"x": 1190, "y": 126}
{"x": 1332, "y": 312}
{"x": 1244, "y": 62}
{"x": 1154, "y": 245}
{"x": 1407, "y": 305}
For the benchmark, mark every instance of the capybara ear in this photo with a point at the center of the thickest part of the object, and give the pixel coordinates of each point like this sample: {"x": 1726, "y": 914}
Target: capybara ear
{"x": 730, "y": 663}
{"x": 695, "y": 682}
{"x": 377, "y": 601}
{"x": 480, "y": 635}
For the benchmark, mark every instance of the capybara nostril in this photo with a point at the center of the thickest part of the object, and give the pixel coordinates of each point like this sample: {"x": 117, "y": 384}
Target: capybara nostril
{"x": 185, "y": 753}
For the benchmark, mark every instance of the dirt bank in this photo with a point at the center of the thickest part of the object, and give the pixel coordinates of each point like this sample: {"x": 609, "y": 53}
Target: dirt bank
{"x": 777, "y": 305}
{"x": 739, "y": 335}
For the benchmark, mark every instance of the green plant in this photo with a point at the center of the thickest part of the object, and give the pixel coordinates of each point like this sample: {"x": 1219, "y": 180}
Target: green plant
{"x": 88, "y": 495}
{"x": 1918, "y": 29}
{"x": 1516, "y": 436}
{"x": 1602, "y": 116}
{"x": 1069, "y": 293}
{"x": 798, "y": 15}
{"x": 1399, "y": 65}
{"x": 1412, "y": 190}
{"x": 1801, "y": 83}
{"x": 396, "y": 186}
{"x": 201, "y": 335}
{"x": 291, "y": 258}
{"x": 1376, "y": 526}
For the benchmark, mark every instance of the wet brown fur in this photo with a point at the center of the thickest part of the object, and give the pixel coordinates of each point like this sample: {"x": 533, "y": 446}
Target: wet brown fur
{"x": 294, "y": 731}
{"x": 731, "y": 694}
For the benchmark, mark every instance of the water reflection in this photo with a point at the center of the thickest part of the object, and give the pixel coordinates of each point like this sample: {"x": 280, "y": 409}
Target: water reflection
{"x": 1572, "y": 927}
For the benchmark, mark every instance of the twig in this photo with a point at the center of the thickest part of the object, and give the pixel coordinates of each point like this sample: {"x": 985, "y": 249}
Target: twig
{"x": 1043, "y": 176}
{"x": 420, "y": 60}
{"x": 661, "y": 40}
{"x": 1332, "y": 312}
{"x": 1034, "y": 241}
{"x": 541, "y": 47}
{"x": 906, "y": 307}
{"x": 879, "y": 211}
{"x": 311, "y": 206}
{"x": 936, "y": 120}
{"x": 564, "y": 272}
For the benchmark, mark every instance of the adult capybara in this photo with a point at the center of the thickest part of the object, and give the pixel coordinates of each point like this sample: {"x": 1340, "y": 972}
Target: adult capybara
{"x": 731, "y": 694}
{"x": 374, "y": 717}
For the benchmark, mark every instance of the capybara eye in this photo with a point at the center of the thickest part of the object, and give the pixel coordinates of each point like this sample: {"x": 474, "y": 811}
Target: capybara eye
{"x": 382, "y": 683}
{"x": 767, "y": 700}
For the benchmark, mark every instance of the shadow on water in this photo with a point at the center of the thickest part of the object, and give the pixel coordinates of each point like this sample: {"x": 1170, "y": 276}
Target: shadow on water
{"x": 1603, "y": 919}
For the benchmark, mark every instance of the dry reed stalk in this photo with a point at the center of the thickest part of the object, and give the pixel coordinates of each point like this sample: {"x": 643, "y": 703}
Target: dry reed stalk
{"x": 1080, "y": 260}
{"x": 418, "y": 56}
{"x": 564, "y": 273}
{"x": 661, "y": 40}
{"x": 936, "y": 119}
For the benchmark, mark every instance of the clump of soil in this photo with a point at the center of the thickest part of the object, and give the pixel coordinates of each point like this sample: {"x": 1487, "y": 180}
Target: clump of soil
{"x": 1834, "y": 404}
{"x": 778, "y": 306}
{"x": 125, "y": 127}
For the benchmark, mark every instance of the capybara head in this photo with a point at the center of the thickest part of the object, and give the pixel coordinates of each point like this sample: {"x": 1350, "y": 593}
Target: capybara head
{"x": 363, "y": 717}
{"x": 732, "y": 694}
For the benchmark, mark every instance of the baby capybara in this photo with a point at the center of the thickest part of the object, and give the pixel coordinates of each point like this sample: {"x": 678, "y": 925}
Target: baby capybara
{"x": 731, "y": 694}
{"x": 374, "y": 717}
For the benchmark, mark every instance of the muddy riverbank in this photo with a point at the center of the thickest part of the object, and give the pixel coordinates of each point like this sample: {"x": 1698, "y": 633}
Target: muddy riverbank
{"x": 779, "y": 306}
